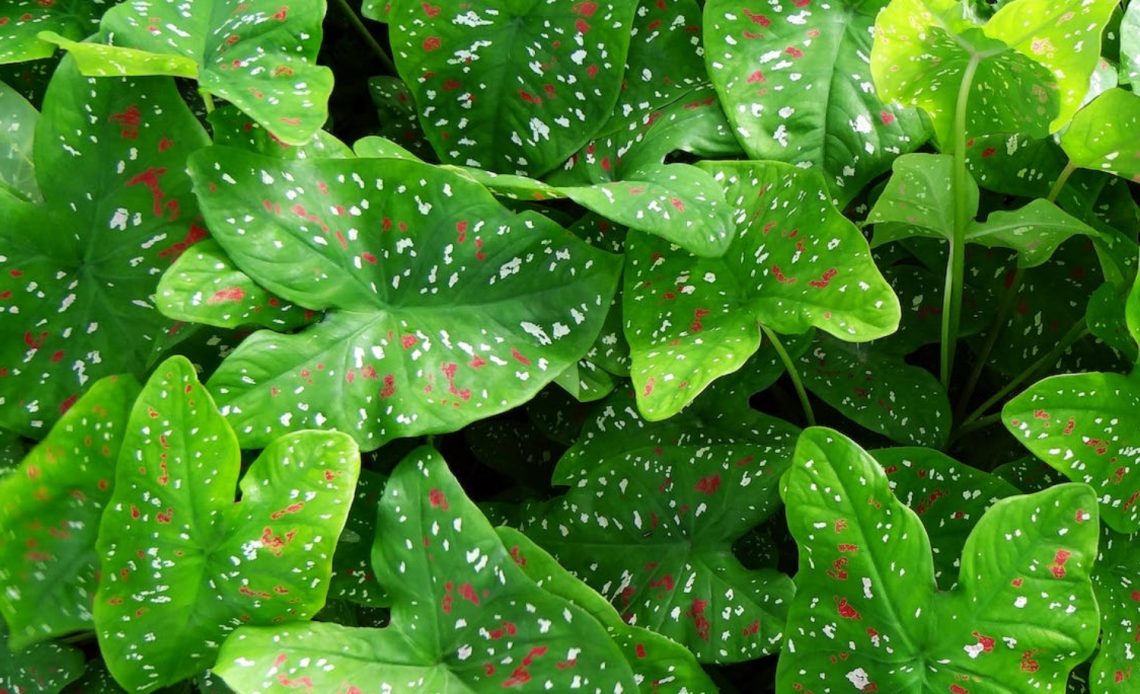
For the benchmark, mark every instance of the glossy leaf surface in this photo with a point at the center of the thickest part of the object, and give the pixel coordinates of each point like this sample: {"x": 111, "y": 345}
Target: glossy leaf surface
{"x": 918, "y": 199}
{"x": 45, "y": 668}
{"x": 22, "y": 20}
{"x": 1034, "y": 231}
{"x": 1103, "y": 134}
{"x": 1115, "y": 580}
{"x": 17, "y": 130}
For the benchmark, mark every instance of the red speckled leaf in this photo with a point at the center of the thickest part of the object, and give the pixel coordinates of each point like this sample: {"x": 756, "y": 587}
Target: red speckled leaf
{"x": 515, "y": 87}
{"x": 442, "y": 306}
{"x": 1116, "y": 580}
{"x": 45, "y": 668}
{"x": 49, "y": 516}
{"x": 233, "y": 128}
{"x": 182, "y": 564}
{"x": 21, "y": 20}
{"x": 78, "y": 271}
{"x": 867, "y": 615}
{"x": 464, "y": 616}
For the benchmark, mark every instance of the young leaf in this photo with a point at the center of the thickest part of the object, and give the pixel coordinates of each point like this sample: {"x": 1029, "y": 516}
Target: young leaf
{"x": 516, "y": 88}
{"x": 182, "y": 564}
{"x": 22, "y": 20}
{"x": 442, "y": 306}
{"x": 1034, "y": 231}
{"x": 79, "y": 270}
{"x": 258, "y": 55}
{"x": 1118, "y": 594}
{"x": 651, "y": 521}
{"x": 793, "y": 80}
{"x": 49, "y": 516}
{"x": 918, "y": 199}
{"x": 45, "y": 668}
{"x": 1087, "y": 426}
{"x": 867, "y": 613}
{"x": 464, "y": 616}
{"x": 1103, "y": 135}
{"x": 794, "y": 263}
{"x": 18, "y": 121}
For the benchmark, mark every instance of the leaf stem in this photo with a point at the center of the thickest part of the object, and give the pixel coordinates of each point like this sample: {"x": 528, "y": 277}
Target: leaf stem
{"x": 354, "y": 19}
{"x": 1062, "y": 179}
{"x": 790, "y": 367}
{"x": 207, "y": 100}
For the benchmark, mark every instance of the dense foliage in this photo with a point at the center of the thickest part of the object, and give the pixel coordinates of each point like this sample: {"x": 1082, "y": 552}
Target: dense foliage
{"x": 576, "y": 344}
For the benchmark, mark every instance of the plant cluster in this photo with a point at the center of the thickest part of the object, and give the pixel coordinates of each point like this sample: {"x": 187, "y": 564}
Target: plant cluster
{"x": 629, "y": 346}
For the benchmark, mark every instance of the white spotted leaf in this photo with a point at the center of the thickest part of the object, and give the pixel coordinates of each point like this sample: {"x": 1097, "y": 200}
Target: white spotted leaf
{"x": 45, "y": 668}
{"x": 353, "y": 578}
{"x": 794, "y": 263}
{"x": 49, "y": 516}
{"x": 442, "y": 306}
{"x": 1034, "y": 230}
{"x": 17, "y": 129}
{"x": 517, "y": 87}
{"x": 78, "y": 271}
{"x": 795, "y": 82}
{"x": 464, "y": 616}
{"x": 868, "y": 616}
{"x": 1118, "y": 594}
{"x": 182, "y": 564}
{"x": 259, "y": 55}
{"x": 1105, "y": 135}
{"x": 22, "y": 20}
{"x": 918, "y": 199}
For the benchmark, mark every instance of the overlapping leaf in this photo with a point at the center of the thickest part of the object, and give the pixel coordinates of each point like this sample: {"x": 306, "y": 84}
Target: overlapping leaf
{"x": 182, "y": 564}
{"x": 867, "y": 614}
{"x": 18, "y": 121}
{"x": 45, "y": 668}
{"x": 1103, "y": 135}
{"x": 464, "y": 616}
{"x": 22, "y": 20}
{"x": 1118, "y": 594}
{"x": 442, "y": 307}
{"x": 515, "y": 88}
{"x": 49, "y": 516}
{"x": 794, "y": 263}
{"x": 795, "y": 83}
{"x": 353, "y": 578}
{"x": 80, "y": 269}
{"x": 258, "y": 54}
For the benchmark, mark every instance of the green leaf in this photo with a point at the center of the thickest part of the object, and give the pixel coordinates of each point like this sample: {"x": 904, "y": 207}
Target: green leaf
{"x": 1118, "y": 595}
{"x": 516, "y": 88}
{"x": 442, "y": 306}
{"x": 22, "y": 20}
{"x": 464, "y": 616}
{"x": 18, "y": 121}
{"x": 794, "y": 263}
{"x": 77, "y": 272}
{"x": 258, "y": 55}
{"x": 352, "y": 577}
{"x": 233, "y": 128}
{"x": 45, "y": 668}
{"x": 878, "y": 390}
{"x": 918, "y": 199}
{"x": 182, "y": 564}
{"x": 652, "y": 518}
{"x": 1015, "y": 164}
{"x": 398, "y": 120}
{"x": 867, "y": 610}
{"x": 1106, "y": 319}
{"x": 795, "y": 83}
{"x": 656, "y": 660}
{"x": 49, "y": 516}
{"x": 1034, "y": 231}
{"x": 1087, "y": 426}
{"x": 1130, "y": 43}
{"x": 1103, "y": 134}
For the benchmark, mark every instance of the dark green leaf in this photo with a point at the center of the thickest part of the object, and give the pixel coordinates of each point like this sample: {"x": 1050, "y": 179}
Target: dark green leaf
{"x": 45, "y": 668}
{"x": 352, "y": 575}
{"x": 1118, "y": 594}
{"x": 22, "y": 20}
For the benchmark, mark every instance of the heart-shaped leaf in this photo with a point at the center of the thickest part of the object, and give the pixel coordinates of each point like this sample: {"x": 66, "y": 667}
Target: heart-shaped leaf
{"x": 918, "y": 199}
{"x": 442, "y": 306}
{"x": 464, "y": 616}
{"x": 80, "y": 269}
{"x": 794, "y": 263}
{"x": 1118, "y": 594}
{"x": 22, "y": 20}
{"x": 1034, "y": 231}
{"x": 259, "y": 55}
{"x": 173, "y": 543}
{"x": 867, "y": 613}
{"x": 1087, "y": 426}
{"x": 49, "y": 516}
{"x": 1103, "y": 134}
{"x": 18, "y": 121}
{"x": 651, "y": 521}
{"x": 795, "y": 83}
{"x": 45, "y": 668}
{"x": 515, "y": 88}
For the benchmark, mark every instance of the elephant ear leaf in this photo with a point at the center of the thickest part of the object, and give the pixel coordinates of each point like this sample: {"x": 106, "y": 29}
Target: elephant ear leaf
{"x": 1103, "y": 134}
{"x": 464, "y": 616}
{"x": 866, "y": 607}
{"x": 23, "y": 20}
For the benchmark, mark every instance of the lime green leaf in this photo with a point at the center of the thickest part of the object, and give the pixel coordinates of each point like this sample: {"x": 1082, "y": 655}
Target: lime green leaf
{"x": 867, "y": 612}
{"x": 77, "y": 272}
{"x": 1034, "y": 231}
{"x": 464, "y": 616}
{"x": 794, "y": 263}
{"x": 22, "y": 20}
{"x": 442, "y": 306}
{"x": 45, "y": 668}
{"x": 1130, "y": 43}
{"x": 1087, "y": 426}
{"x": 100, "y": 60}
{"x": 1103, "y": 134}
{"x": 182, "y": 564}
{"x": 18, "y": 121}
{"x": 918, "y": 199}
{"x": 49, "y": 516}
{"x": 794, "y": 81}
{"x": 1118, "y": 594}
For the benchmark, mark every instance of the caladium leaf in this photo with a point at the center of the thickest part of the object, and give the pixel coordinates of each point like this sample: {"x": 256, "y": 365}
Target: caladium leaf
{"x": 878, "y": 390}
{"x": 1130, "y": 43}
{"x": 204, "y": 286}
{"x": 22, "y": 20}
{"x": 586, "y": 381}
{"x": 483, "y": 104}
{"x": 233, "y": 128}
{"x": 1015, "y": 164}
{"x": 398, "y": 120}
{"x": 80, "y": 269}
{"x": 1103, "y": 134}
{"x": 1118, "y": 594}
{"x": 1087, "y": 426}
{"x": 1034, "y": 231}
{"x": 947, "y": 496}
{"x": 794, "y": 263}
{"x": 352, "y": 577}
{"x": 795, "y": 83}
{"x": 45, "y": 668}
{"x": 442, "y": 307}
{"x": 258, "y": 55}
{"x": 918, "y": 199}
{"x": 657, "y": 661}
{"x": 651, "y": 521}
{"x": 171, "y": 529}
{"x": 49, "y": 516}
{"x": 17, "y": 130}
{"x": 867, "y": 610}
{"x": 464, "y": 616}
{"x": 1029, "y": 474}
{"x": 920, "y": 295}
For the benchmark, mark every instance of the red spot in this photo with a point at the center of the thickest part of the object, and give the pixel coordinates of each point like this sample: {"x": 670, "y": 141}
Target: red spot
{"x": 431, "y": 43}
{"x": 648, "y": 389}
{"x": 448, "y": 370}
{"x": 164, "y": 517}
{"x": 781, "y": 277}
{"x": 192, "y": 237}
{"x": 794, "y": 52}
{"x": 592, "y": 71}
{"x": 135, "y": 514}
{"x": 467, "y": 592}
{"x": 585, "y": 9}
{"x": 437, "y": 499}
{"x": 389, "y": 388}
{"x": 988, "y": 152}
{"x": 1058, "y": 566}
{"x": 845, "y": 610}
{"x": 825, "y": 280}
{"x": 128, "y": 121}
{"x": 697, "y": 612}
{"x": 529, "y": 98}
{"x": 838, "y": 570}
{"x": 518, "y": 356}
{"x": 955, "y": 689}
{"x": 708, "y": 485}
{"x": 757, "y": 76}
{"x": 281, "y": 13}
{"x": 368, "y": 258}
{"x": 409, "y": 341}
{"x": 430, "y": 10}
{"x": 149, "y": 178}
{"x": 582, "y": 26}
{"x": 752, "y": 629}
{"x": 639, "y": 649}
{"x": 758, "y": 19}
{"x": 886, "y": 117}
{"x": 224, "y": 295}
{"x": 165, "y": 144}
{"x": 986, "y": 642}
{"x": 1040, "y": 414}
{"x": 1028, "y": 664}
{"x": 451, "y": 85}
